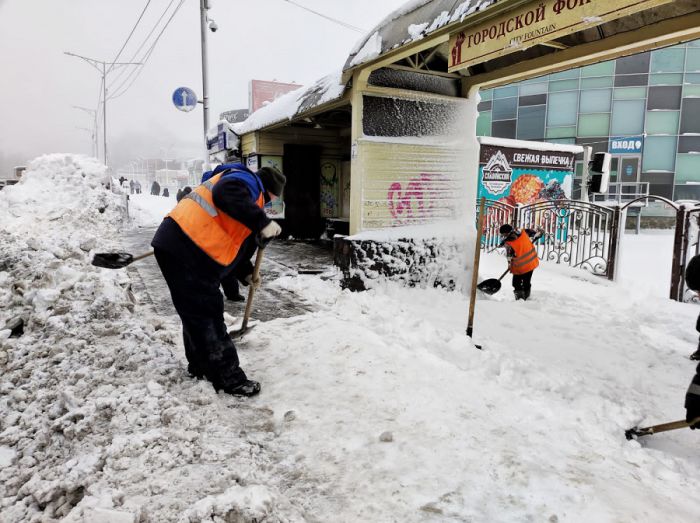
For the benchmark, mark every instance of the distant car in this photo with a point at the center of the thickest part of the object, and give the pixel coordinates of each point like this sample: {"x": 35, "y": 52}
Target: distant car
{"x": 4, "y": 183}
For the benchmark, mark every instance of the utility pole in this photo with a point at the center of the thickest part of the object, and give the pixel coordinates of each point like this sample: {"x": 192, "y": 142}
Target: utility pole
{"x": 204, "y": 6}
{"x": 103, "y": 71}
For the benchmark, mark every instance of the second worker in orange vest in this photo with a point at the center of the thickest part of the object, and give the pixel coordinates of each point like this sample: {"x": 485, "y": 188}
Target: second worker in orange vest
{"x": 522, "y": 257}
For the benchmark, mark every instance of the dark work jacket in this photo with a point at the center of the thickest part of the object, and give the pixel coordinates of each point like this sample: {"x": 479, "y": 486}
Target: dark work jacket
{"x": 232, "y": 196}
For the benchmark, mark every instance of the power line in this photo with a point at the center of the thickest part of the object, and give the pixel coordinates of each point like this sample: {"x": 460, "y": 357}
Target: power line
{"x": 334, "y": 20}
{"x": 129, "y": 37}
{"x": 145, "y": 58}
{"x": 155, "y": 26}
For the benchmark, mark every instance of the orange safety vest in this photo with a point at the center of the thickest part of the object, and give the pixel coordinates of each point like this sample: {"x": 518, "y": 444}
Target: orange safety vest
{"x": 211, "y": 229}
{"x": 525, "y": 259}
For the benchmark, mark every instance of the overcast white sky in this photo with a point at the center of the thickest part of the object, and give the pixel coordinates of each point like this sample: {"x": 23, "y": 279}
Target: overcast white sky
{"x": 261, "y": 39}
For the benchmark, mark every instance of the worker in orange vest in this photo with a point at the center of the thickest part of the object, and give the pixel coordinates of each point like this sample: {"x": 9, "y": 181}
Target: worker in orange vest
{"x": 522, "y": 256}
{"x": 210, "y": 234}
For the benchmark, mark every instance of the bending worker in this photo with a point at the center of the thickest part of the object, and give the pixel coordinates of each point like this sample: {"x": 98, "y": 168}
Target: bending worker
{"x": 522, "y": 257}
{"x": 209, "y": 234}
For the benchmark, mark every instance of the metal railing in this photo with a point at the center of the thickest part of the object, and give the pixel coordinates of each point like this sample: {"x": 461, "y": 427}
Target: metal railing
{"x": 620, "y": 193}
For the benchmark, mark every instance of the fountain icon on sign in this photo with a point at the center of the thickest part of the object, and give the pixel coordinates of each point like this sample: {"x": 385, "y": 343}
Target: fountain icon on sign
{"x": 184, "y": 99}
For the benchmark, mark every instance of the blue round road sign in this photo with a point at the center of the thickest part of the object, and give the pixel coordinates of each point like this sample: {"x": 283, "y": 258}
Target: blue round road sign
{"x": 184, "y": 99}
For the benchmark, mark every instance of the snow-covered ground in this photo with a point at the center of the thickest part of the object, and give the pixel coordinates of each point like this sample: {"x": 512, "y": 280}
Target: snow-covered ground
{"x": 376, "y": 408}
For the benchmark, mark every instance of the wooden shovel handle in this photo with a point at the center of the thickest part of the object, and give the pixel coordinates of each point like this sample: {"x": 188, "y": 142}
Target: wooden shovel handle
{"x": 251, "y": 291}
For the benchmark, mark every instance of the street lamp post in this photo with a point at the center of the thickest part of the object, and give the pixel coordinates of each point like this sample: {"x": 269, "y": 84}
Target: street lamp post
{"x": 103, "y": 71}
{"x": 204, "y": 6}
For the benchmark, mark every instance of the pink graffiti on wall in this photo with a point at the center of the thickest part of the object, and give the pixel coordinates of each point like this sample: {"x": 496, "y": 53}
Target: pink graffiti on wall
{"x": 415, "y": 201}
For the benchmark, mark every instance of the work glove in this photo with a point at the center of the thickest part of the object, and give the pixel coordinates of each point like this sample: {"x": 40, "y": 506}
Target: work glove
{"x": 692, "y": 402}
{"x": 255, "y": 282}
{"x": 271, "y": 230}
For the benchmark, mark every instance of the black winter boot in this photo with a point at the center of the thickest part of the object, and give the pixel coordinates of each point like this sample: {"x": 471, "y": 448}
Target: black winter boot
{"x": 247, "y": 388}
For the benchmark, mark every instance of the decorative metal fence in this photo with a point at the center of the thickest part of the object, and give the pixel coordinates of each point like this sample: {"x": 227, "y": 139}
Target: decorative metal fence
{"x": 578, "y": 234}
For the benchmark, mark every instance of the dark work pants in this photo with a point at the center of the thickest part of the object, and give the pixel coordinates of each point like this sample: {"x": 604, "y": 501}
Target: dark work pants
{"x": 521, "y": 285}
{"x": 209, "y": 349}
{"x": 230, "y": 285}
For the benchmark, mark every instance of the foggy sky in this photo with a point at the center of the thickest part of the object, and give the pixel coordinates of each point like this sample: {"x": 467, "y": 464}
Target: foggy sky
{"x": 260, "y": 39}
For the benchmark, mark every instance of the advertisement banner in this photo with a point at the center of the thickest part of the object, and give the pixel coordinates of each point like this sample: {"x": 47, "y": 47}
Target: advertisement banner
{"x": 524, "y": 176}
{"x": 274, "y": 210}
{"x": 262, "y": 92}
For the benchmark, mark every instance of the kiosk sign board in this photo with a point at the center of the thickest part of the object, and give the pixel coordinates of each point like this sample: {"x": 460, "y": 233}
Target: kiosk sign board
{"x": 533, "y": 23}
{"x": 518, "y": 175}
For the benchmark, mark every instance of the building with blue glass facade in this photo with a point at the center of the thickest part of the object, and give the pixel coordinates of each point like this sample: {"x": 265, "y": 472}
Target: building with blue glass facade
{"x": 643, "y": 109}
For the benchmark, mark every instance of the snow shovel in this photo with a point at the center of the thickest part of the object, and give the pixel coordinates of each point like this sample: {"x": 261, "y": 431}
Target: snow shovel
{"x": 492, "y": 285}
{"x": 251, "y": 293}
{"x": 116, "y": 260}
{"x": 663, "y": 427}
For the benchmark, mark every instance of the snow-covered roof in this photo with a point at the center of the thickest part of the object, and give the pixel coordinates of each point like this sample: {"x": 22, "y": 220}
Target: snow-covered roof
{"x": 410, "y": 22}
{"x": 294, "y": 103}
{"x": 533, "y": 146}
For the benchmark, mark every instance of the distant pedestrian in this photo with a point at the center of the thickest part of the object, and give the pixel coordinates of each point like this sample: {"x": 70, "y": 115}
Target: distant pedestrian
{"x": 138, "y": 187}
{"x": 522, "y": 257}
{"x": 132, "y": 186}
{"x": 184, "y": 192}
{"x": 155, "y": 189}
{"x": 166, "y": 193}
{"x": 692, "y": 396}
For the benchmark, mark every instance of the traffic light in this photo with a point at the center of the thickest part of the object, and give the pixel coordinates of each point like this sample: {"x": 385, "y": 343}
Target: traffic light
{"x": 599, "y": 173}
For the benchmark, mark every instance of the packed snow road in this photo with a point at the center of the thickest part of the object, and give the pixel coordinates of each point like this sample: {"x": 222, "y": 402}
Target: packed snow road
{"x": 375, "y": 406}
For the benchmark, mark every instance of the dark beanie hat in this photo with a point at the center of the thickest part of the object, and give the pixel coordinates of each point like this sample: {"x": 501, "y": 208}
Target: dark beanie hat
{"x": 505, "y": 229}
{"x": 692, "y": 273}
{"x": 272, "y": 180}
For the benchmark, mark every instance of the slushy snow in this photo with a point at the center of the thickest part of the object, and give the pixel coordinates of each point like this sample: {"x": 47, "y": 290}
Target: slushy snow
{"x": 376, "y": 407}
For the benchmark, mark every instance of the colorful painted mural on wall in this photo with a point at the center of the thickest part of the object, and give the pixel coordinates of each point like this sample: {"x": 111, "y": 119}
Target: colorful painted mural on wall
{"x": 330, "y": 185}
{"x": 414, "y": 198}
{"x": 274, "y": 209}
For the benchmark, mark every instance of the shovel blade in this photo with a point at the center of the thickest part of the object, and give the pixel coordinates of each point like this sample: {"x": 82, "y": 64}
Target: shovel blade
{"x": 112, "y": 260}
{"x": 490, "y": 286}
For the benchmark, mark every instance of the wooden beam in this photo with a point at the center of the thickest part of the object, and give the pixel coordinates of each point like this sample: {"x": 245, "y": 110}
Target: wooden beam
{"x": 554, "y": 45}
{"x": 432, "y": 73}
{"x": 662, "y": 34}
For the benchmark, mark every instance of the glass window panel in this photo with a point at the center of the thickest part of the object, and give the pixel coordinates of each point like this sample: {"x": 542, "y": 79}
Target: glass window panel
{"x": 504, "y": 129}
{"x": 483, "y": 124}
{"x": 601, "y": 69}
{"x": 687, "y": 192}
{"x": 593, "y": 124}
{"x": 565, "y": 75}
{"x": 693, "y": 60}
{"x": 688, "y": 168}
{"x": 563, "y": 85}
{"x": 689, "y": 144}
{"x": 690, "y": 116}
{"x": 627, "y": 118}
{"x": 638, "y": 63}
{"x": 627, "y": 80}
{"x": 664, "y": 97}
{"x": 600, "y": 81}
{"x": 657, "y": 178}
{"x": 630, "y": 93}
{"x": 561, "y": 132}
{"x": 531, "y": 123}
{"x": 599, "y": 144}
{"x": 692, "y": 78}
{"x": 534, "y": 99}
{"x": 561, "y": 109}
{"x": 659, "y": 153}
{"x": 538, "y": 88}
{"x": 691, "y": 90}
{"x": 694, "y": 43}
{"x": 595, "y": 101}
{"x": 567, "y": 141}
{"x": 662, "y": 122}
{"x": 505, "y": 109}
{"x": 486, "y": 95}
{"x": 505, "y": 92}
{"x": 666, "y": 79}
{"x": 668, "y": 60}
{"x": 665, "y": 190}
{"x": 484, "y": 106}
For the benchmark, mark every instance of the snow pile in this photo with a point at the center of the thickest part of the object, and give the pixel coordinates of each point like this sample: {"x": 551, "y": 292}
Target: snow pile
{"x": 98, "y": 421}
{"x": 295, "y": 102}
